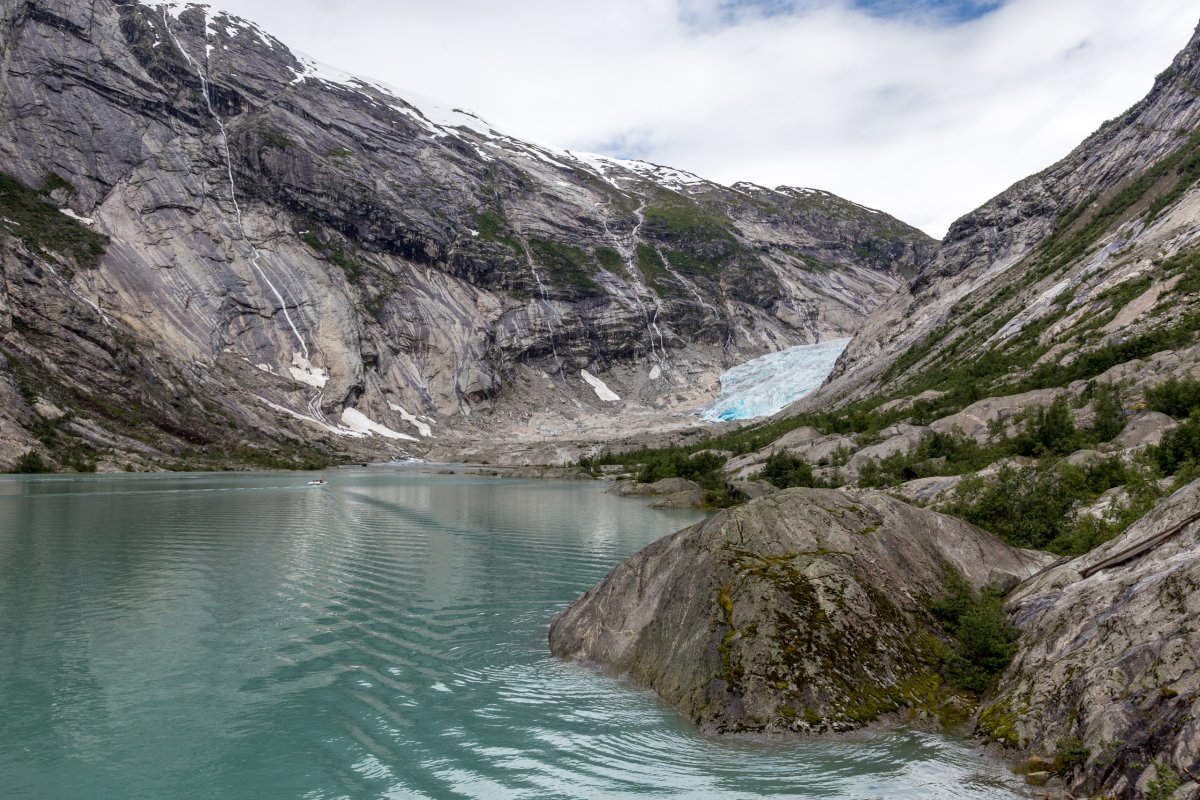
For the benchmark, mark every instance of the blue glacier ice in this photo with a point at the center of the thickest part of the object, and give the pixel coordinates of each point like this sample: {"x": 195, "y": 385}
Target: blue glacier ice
{"x": 770, "y": 383}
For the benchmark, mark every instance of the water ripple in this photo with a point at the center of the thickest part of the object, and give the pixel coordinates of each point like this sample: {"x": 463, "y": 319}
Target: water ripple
{"x": 382, "y": 636}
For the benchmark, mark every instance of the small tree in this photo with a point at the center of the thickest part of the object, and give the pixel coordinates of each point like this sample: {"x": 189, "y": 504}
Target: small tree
{"x": 1048, "y": 431}
{"x": 1177, "y": 397}
{"x": 1109, "y": 419}
{"x": 1180, "y": 446}
{"x": 785, "y": 470}
{"x": 31, "y": 463}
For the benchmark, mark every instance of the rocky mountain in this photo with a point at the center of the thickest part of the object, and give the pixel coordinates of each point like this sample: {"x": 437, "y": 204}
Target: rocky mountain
{"x": 217, "y": 250}
{"x": 1095, "y": 251}
{"x": 1039, "y": 378}
{"x": 1107, "y": 673}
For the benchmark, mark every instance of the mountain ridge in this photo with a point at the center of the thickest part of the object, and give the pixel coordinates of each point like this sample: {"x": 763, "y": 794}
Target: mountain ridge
{"x": 360, "y": 257}
{"x": 1072, "y": 204}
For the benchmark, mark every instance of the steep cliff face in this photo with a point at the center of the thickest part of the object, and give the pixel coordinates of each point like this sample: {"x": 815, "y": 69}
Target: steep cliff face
{"x": 1093, "y": 251}
{"x": 384, "y": 261}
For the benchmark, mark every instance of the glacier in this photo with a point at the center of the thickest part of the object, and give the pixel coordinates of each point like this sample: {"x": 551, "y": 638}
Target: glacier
{"x": 770, "y": 383}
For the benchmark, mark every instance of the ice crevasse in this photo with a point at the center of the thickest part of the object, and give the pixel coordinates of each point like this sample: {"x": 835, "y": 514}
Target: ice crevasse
{"x": 770, "y": 383}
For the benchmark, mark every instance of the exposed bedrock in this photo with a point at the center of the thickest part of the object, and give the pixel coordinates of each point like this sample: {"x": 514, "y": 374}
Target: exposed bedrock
{"x": 1108, "y": 671}
{"x": 806, "y": 610}
{"x": 409, "y": 265}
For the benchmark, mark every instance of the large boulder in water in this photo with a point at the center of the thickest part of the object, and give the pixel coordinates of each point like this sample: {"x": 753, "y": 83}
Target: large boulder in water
{"x": 1107, "y": 675}
{"x": 805, "y": 610}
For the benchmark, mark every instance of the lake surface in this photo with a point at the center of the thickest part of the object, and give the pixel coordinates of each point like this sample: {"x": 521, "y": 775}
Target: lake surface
{"x": 247, "y": 636}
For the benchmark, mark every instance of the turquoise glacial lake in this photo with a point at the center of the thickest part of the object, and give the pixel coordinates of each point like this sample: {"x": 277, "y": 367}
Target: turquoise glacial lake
{"x": 383, "y": 636}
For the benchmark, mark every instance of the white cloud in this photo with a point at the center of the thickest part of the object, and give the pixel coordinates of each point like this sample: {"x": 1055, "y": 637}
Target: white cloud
{"x": 921, "y": 118}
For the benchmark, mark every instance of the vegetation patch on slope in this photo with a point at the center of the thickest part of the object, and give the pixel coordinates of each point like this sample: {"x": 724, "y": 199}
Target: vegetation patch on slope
{"x": 26, "y": 214}
{"x": 1018, "y": 484}
{"x": 565, "y": 265}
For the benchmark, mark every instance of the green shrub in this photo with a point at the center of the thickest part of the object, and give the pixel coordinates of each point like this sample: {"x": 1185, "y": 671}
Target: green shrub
{"x": 1048, "y": 431}
{"x": 1186, "y": 265}
{"x": 1180, "y": 446}
{"x": 1177, "y": 397}
{"x": 706, "y": 469}
{"x": 678, "y": 464}
{"x": 785, "y": 470}
{"x": 276, "y": 141}
{"x": 1094, "y": 362}
{"x": 1070, "y": 754}
{"x": 53, "y": 182}
{"x": 1026, "y": 506}
{"x": 1088, "y": 533}
{"x": 1109, "y": 415}
{"x": 31, "y": 463}
{"x": 1036, "y": 505}
{"x": 936, "y": 454}
{"x": 1166, "y": 782}
{"x": 983, "y": 641}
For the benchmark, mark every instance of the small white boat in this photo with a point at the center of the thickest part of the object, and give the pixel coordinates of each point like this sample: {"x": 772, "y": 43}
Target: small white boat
{"x": 317, "y": 482}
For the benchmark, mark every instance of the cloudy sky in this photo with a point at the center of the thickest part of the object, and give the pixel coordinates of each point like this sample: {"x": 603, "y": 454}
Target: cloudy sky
{"x": 924, "y": 108}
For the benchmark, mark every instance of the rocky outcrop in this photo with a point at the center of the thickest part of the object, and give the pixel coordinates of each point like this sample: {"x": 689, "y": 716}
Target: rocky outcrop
{"x": 750, "y": 490}
{"x": 1144, "y": 429}
{"x": 377, "y": 265}
{"x": 899, "y": 443}
{"x": 804, "y": 611}
{"x": 688, "y": 498}
{"x": 806, "y": 443}
{"x": 1108, "y": 666}
{"x": 670, "y": 492}
{"x": 549, "y": 473}
{"x": 978, "y": 420}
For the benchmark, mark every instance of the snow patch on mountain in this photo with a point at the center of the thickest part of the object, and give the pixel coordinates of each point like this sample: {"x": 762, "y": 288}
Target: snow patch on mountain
{"x": 303, "y": 371}
{"x": 422, "y": 427}
{"x": 599, "y": 387}
{"x": 358, "y": 422}
{"x": 435, "y": 116}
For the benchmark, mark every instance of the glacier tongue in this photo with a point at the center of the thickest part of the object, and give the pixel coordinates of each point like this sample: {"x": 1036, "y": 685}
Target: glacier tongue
{"x": 770, "y": 383}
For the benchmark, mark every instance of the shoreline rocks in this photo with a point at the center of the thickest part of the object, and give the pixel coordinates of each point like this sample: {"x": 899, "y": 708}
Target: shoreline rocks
{"x": 1108, "y": 665}
{"x": 803, "y": 611}
{"x": 672, "y": 492}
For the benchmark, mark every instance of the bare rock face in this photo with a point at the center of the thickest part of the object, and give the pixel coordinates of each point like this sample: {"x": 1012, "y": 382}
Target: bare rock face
{"x": 688, "y": 498}
{"x": 1108, "y": 660}
{"x": 899, "y": 443}
{"x": 802, "y": 611}
{"x": 975, "y": 421}
{"x": 1098, "y": 236}
{"x": 1144, "y": 429}
{"x": 357, "y": 252}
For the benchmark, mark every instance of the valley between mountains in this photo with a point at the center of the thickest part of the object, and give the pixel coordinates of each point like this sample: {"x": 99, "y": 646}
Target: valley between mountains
{"x": 1038, "y": 378}
{"x": 222, "y": 252}
{"x": 219, "y": 254}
